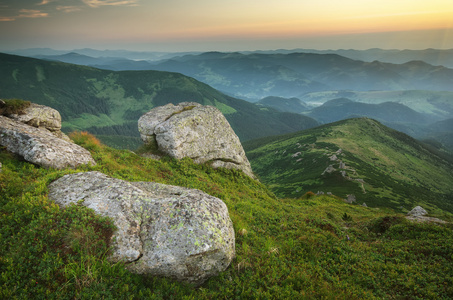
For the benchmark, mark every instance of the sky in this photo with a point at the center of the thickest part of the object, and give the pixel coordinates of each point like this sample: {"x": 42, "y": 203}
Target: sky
{"x": 228, "y": 25}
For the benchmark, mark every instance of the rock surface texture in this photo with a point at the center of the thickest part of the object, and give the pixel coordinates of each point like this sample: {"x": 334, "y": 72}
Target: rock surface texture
{"x": 417, "y": 212}
{"x": 40, "y": 146}
{"x": 39, "y": 116}
{"x": 163, "y": 230}
{"x": 196, "y": 131}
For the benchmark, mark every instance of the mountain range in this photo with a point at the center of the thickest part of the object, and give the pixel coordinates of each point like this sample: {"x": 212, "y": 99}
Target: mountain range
{"x": 295, "y": 74}
{"x": 283, "y": 73}
{"x": 435, "y": 57}
{"x": 295, "y": 235}
{"x": 110, "y": 103}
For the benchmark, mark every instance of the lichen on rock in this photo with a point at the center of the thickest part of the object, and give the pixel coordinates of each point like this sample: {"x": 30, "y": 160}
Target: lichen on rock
{"x": 40, "y": 146}
{"x": 163, "y": 230}
{"x": 196, "y": 131}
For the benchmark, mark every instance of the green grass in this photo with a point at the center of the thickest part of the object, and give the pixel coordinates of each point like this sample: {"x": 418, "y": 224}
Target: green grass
{"x": 397, "y": 171}
{"x": 13, "y": 106}
{"x": 310, "y": 247}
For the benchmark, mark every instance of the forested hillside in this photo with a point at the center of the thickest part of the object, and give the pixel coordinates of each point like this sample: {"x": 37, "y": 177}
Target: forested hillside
{"x": 109, "y": 103}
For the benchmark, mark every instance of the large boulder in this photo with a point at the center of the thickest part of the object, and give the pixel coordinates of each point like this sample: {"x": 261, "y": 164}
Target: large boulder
{"x": 163, "y": 230}
{"x": 40, "y": 146}
{"x": 192, "y": 130}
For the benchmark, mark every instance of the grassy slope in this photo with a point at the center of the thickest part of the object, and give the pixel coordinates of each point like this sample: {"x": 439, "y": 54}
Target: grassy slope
{"x": 312, "y": 247}
{"x": 110, "y": 103}
{"x": 398, "y": 171}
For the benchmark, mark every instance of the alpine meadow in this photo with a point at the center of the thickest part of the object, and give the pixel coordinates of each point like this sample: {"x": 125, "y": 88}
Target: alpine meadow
{"x": 331, "y": 180}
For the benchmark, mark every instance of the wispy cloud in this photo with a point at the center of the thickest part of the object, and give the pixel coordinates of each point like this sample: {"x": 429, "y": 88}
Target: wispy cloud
{"x": 32, "y": 13}
{"x": 68, "y": 9}
{"x": 7, "y": 19}
{"x": 98, "y": 3}
{"x": 9, "y": 13}
{"x": 44, "y": 2}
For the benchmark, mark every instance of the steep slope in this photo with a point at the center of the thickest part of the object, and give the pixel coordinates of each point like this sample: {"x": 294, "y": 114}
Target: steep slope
{"x": 110, "y": 103}
{"x": 380, "y": 166}
{"x": 442, "y": 132}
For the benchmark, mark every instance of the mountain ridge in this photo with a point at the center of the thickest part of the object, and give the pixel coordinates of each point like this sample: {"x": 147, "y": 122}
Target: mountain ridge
{"x": 110, "y": 103}
{"x": 382, "y": 167}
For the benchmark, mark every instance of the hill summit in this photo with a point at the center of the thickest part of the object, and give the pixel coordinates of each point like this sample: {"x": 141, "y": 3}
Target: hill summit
{"x": 360, "y": 157}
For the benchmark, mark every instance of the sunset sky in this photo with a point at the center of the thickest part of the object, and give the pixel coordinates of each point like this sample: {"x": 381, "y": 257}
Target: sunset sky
{"x": 203, "y": 25}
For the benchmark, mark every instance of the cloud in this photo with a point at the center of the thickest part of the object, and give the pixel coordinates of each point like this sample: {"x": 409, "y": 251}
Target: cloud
{"x": 9, "y": 12}
{"x": 98, "y": 3}
{"x": 32, "y": 13}
{"x": 68, "y": 9}
{"x": 7, "y": 19}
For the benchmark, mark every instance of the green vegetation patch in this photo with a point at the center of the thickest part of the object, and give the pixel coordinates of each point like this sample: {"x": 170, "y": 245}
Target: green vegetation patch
{"x": 312, "y": 247}
{"x": 380, "y": 166}
{"x": 13, "y": 106}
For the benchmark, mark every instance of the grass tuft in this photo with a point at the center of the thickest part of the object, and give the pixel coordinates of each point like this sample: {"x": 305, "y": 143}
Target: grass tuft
{"x": 13, "y": 106}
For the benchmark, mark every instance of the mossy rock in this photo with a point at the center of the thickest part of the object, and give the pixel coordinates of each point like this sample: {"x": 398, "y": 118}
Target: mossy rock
{"x": 13, "y": 106}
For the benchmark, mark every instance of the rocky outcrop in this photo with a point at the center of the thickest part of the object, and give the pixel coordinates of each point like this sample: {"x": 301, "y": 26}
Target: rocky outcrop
{"x": 329, "y": 170}
{"x": 40, "y": 146}
{"x": 163, "y": 230}
{"x": 196, "y": 131}
{"x": 39, "y": 116}
{"x": 419, "y": 214}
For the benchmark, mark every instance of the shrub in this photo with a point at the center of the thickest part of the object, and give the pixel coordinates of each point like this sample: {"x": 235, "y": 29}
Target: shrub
{"x": 86, "y": 140}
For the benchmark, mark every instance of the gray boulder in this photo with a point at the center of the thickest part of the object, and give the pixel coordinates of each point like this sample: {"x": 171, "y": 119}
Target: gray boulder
{"x": 196, "y": 131}
{"x": 417, "y": 211}
{"x": 39, "y": 116}
{"x": 40, "y": 146}
{"x": 163, "y": 230}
